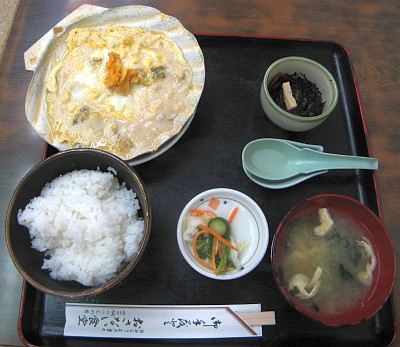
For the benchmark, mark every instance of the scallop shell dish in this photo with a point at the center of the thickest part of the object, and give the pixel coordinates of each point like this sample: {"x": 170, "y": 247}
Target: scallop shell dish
{"x": 126, "y": 81}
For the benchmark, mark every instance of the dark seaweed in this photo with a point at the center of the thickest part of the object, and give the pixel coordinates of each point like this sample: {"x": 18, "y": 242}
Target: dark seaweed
{"x": 307, "y": 95}
{"x": 345, "y": 274}
{"x": 315, "y": 307}
{"x": 354, "y": 252}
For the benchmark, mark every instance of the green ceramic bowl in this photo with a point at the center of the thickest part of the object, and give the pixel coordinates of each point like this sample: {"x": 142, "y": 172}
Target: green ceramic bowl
{"x": 315, "y": 73}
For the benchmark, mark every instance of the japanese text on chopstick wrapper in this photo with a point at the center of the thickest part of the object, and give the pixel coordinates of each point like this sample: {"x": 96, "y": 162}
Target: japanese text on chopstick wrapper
{"x": 123, "y": 321}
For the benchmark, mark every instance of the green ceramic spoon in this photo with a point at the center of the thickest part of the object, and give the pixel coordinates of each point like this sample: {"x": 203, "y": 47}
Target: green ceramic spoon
{"x": 273, "y": 159}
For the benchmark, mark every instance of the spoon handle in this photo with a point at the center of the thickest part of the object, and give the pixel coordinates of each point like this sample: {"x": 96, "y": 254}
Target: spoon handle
{"x": 313, "y": 161}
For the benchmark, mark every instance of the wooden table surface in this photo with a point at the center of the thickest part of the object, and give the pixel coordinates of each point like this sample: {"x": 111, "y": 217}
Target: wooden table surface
{"x": 369, "y": 29}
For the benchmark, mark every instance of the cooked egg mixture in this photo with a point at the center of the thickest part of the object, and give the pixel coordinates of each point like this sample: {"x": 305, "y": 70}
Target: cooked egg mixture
{"x": 119, "y": 89}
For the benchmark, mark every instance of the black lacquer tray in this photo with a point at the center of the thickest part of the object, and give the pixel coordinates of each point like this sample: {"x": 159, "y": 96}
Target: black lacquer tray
{"x": 208, "y": 155}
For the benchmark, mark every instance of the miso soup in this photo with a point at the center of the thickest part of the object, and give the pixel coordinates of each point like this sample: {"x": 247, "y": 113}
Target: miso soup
{"x": 341, "y": 254}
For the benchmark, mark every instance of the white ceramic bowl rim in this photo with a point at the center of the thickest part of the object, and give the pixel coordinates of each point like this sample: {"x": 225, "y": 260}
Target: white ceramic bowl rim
{"x": 260, "y": 241}
{"x": 289, "y": 115}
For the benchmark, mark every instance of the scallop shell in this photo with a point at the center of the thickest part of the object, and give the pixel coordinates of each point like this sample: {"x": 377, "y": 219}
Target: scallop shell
{"x": 130, "y": 16}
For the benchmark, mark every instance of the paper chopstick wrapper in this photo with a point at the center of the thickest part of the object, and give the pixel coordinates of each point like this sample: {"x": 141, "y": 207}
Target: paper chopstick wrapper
{"x": 166, "y": 322}
{"x": 33, "y": 55}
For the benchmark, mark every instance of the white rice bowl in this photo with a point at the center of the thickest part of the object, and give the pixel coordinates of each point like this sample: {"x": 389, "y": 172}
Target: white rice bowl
{"x": 87, "y": 224}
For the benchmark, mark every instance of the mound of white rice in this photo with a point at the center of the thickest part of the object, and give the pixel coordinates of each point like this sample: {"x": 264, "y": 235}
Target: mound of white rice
{"x": 87, "y": 225}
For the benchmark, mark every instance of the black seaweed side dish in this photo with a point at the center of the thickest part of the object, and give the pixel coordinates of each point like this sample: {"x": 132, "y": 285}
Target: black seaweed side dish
{"x": 308, "y": 96}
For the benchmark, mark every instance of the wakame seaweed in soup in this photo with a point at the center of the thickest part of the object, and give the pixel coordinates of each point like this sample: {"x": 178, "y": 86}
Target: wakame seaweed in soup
{"x": 306, "y": 93}
{"x": 339, "y": 257}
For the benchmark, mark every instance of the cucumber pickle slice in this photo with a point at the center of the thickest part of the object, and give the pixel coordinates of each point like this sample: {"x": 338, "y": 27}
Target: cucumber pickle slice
{"x": 220, "y": 225}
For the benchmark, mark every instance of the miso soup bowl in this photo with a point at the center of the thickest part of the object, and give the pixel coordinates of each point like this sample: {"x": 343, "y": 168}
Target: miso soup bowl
{"x": 371, "y": 228}
{"x": 315, "y": 73}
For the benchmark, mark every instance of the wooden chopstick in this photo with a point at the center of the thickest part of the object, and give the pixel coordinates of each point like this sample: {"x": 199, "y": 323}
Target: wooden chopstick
{"x": 258, "y": 318}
